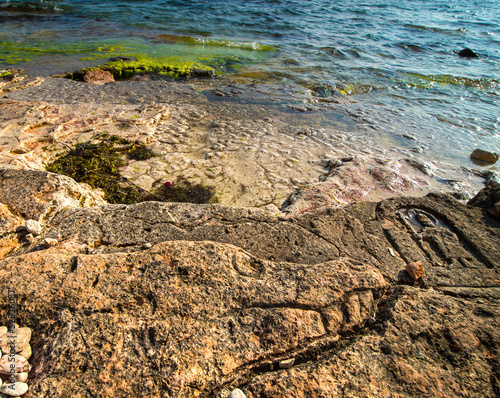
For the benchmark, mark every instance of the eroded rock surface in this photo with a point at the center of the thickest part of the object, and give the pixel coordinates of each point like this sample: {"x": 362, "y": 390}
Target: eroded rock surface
{"x": 182, "y": 300}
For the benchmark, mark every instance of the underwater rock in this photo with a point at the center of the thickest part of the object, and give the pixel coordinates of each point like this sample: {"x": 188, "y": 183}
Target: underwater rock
{"x": 467, "y": 53}
{"x": 98, "y": 76}
{"x": 480, "y": 156}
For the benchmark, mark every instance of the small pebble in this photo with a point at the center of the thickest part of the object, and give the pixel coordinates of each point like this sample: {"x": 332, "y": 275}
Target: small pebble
{"x": 237, "y": 393}
{"x": 14, "y": 389}
{"x": 287, "y": 363}
{"x": 416, "y": 270}
{"x": 147, "y": 245}
{"x": 20, "y": 363}
{"x": 48, "y": 242}
{"x": 33, "y": 227}
{"x": 26, "y": 353}
{"x": 371, "y": 321}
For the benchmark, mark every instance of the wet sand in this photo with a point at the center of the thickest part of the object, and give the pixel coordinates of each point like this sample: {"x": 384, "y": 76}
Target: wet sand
{"x": 257, "y": 145}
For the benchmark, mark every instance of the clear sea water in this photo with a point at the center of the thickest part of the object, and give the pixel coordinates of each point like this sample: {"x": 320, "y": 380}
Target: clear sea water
{"x": 394, "y": 60}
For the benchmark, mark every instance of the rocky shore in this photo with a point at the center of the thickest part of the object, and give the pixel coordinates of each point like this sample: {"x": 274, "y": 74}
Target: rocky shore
{"x": 335, "y": 292}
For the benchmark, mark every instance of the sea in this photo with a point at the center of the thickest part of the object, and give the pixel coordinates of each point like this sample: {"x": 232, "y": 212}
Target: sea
{"x": 395, "y": 62}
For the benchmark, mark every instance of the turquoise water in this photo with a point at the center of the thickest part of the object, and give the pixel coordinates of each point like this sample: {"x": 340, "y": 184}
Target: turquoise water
{"x": 394, "y": 59}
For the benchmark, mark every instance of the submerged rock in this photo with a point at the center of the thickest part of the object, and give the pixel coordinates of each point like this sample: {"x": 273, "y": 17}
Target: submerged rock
{"x": 482, "y": 157}
{"x": 467, "y": 53}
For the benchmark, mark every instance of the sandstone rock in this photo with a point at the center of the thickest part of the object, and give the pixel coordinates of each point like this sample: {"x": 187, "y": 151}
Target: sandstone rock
{"x": 38, "y": 195}
{"x": 415, "y": 270}
{"x": 14, "y": 389}
{"x": 211, "y": 307}
{"x": 21, "y": 365}
{"x": 33, "y": 227}
{"x": 237, "y": 393}
{"x": 480, "y": 155}
{"x": 97, "y": 76}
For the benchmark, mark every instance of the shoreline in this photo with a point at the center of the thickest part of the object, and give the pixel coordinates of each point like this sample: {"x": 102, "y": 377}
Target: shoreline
{"x": 256, "y": 145}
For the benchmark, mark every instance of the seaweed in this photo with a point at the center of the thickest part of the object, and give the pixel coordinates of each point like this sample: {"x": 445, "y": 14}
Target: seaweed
{"x": 97, "y": 163}
{"x": 185, "y": 191}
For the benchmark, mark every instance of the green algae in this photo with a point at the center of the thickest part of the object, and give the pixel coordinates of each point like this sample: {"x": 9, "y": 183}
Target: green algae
{"x": 421, "y": 81}
{"x": 97, "y": 162}
{"x": 246, "y": 45}
{"x": 180, "y": 57}
{"x": 167, "y": 66}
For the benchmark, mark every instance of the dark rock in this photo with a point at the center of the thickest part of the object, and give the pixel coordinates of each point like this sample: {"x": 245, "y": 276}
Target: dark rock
{"x": 484, "y": 158}
{"x": 201, "y": 73}
{"x": 467, "y": 53}
{"x": 123, "y": 59}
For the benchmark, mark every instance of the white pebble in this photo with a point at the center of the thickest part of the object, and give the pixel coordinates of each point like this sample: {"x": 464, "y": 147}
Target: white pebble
{"x": 287, "y": 363}
{"x": 14, "y": 389}
{"x": 33, "y": 227}
{"x": 237, "y": 393}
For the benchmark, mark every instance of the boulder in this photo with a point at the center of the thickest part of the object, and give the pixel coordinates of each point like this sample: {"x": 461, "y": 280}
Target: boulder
{"x": 482, "y": 157}
{"x": 98, "y": 76}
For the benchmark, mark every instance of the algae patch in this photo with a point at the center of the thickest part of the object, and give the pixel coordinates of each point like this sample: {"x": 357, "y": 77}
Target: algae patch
{"x": 97, "y": 162}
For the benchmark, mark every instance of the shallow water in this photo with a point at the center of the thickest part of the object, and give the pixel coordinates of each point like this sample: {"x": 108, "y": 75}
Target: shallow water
{"x": 394, "y": 61}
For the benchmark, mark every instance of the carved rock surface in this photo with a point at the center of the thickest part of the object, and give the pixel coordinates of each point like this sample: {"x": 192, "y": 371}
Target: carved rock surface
{"x": 198, "y": 300}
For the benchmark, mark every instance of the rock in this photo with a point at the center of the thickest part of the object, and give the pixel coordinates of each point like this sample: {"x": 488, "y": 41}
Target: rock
{"x": 495, "y": 210}
{"x": 104, "y": 307}
{"x": 200, "y": 73}
{"x": 415, "y": 270}
{"x": 33, "y": 227}
{"x": 14, "y": 389}
{"x": 48, "y": 242}
{"x": 21, "y": 365}
{"x": 482, "y": 157}
{"x": 39, "y": 195}
{"x": 19, "y": 150}
{"x": 26, "y": 353}
{"x": 19, "y": 340}
{"x": 237, "y": 393}
{"x": 287, "y": 363}
{"x": 13, "y": 377}
{"x": 98, "y": 76}
{"x": 467, "y": 53}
